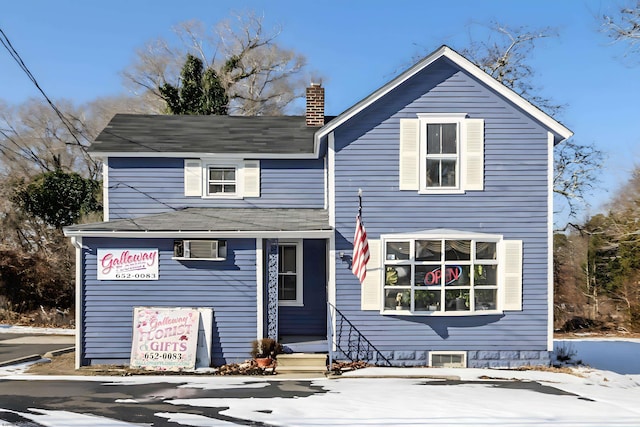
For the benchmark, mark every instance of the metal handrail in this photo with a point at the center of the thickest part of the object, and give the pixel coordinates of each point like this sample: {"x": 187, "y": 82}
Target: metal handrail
{"x": 359, "y": 348}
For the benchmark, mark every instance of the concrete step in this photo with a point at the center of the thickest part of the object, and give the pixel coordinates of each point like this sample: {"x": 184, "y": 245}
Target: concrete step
{"x": 302, "y": 362}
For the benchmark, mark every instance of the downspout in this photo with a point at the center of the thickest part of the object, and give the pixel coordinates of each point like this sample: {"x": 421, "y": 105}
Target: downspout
{"x": 77, "y": 244}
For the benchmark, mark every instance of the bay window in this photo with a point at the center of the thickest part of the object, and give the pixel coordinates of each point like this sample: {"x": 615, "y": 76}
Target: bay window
{"x": 440, "y": 275}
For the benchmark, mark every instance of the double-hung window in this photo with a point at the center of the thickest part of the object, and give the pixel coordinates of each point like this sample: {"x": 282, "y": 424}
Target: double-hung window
{"x": 222, "y": 180}
{"x": 441, "y": 153}
{"x": 290, "y": 273}
{"x": 442, "y": 159}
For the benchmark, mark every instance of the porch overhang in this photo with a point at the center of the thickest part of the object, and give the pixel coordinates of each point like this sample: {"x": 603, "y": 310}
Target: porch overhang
{"x": 214, "y": 222}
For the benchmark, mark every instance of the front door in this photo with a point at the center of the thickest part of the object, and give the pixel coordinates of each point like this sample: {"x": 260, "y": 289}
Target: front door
{"x": 302, "y": 289}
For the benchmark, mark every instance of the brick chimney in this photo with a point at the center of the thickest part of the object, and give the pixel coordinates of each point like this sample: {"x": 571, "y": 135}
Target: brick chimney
{"x": 315, "y": 105}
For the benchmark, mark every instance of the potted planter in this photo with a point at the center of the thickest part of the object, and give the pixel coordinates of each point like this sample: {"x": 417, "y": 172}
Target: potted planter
{"x": 264, "y": 351}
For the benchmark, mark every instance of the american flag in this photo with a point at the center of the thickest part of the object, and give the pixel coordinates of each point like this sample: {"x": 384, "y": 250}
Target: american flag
{"x": 360, "y": 251}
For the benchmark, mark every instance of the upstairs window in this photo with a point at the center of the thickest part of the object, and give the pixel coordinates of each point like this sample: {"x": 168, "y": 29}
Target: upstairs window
{"x": 222, "y": 181}
{"x": 441, "y": 154}
{"x": 231, "y": 179}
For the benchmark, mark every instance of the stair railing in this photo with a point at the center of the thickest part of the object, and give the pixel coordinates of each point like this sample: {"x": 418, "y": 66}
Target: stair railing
{"x": 349, "y": 341}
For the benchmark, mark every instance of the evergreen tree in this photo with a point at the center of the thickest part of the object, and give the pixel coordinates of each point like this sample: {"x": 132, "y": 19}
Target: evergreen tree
{"x": 200, "y": 91}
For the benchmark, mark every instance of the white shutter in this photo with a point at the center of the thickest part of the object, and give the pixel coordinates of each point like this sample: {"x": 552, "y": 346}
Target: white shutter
{"x": 251, "y": 178}
{"x": 474, "y": 154}
{"x": 512, "y": 274}
{"x": 192, "y": 177}
{"x": 372, "y": 286}
{"x": 409, "y": 154}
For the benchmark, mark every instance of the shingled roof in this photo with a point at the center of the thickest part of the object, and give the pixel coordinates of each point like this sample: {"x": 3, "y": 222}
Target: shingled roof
{"x": 269, "y": 221}
{"x": 144, "y": 133}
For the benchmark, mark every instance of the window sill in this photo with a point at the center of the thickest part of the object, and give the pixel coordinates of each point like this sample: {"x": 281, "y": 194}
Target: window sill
{"x": 290, "y": 304}
{"x": 223, "y": 197}
{"x": 441, "y": 313}
{"x": 197, "y": 259}
{"x": 442, "y": 191}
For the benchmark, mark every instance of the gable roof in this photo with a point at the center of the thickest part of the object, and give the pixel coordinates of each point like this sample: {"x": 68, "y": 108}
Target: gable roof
{"x": 560, "y": 131}
{"x": 147, "y": 134}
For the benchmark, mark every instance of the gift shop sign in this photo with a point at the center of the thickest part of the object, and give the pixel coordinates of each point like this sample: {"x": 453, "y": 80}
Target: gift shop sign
{"x": 164, "y": 339}
{"x": 127, "y": 264}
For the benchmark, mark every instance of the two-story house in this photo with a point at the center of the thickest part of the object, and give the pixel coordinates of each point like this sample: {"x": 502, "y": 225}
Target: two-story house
{"x": 254, "y": 218}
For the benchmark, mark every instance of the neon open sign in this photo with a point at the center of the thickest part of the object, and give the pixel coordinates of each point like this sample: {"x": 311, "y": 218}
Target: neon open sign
{"x": 451, "y": 274}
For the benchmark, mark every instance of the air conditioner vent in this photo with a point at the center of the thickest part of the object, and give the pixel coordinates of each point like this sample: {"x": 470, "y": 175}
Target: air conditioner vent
{"x": 200, "y": 249}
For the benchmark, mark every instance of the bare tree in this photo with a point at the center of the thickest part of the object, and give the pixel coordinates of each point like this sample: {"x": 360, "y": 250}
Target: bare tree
{"x": 259, "y": 76}
{"x": 504, "y": 55}
{"x": 624, "y": 27}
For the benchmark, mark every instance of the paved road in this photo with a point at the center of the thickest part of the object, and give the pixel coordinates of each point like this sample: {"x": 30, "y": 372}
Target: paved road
{"x": 15, "y": 347}
{"x": 262, "y": 401}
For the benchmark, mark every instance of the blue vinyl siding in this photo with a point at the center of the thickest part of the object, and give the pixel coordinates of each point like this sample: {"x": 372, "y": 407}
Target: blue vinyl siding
{"x": 145, "y": 186}
{"x": 311, "y": 319}
{"x": 228, "y": 287}
{"x": 514, "y": 204}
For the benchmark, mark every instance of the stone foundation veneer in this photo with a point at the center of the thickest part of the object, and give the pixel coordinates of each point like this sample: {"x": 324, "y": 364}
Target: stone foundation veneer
{"x": 476, "y": 358}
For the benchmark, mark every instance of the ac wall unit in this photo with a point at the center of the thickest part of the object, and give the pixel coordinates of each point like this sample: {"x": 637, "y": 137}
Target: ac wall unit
{"x": 200, "y": 249}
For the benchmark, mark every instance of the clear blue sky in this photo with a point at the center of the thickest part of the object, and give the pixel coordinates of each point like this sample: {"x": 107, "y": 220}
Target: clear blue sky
{"x": 76, "y": 50}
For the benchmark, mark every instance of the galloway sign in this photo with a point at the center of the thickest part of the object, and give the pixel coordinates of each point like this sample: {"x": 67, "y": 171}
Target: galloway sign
{"x": 127, "y": 264}
{"x": 165, "y": 338}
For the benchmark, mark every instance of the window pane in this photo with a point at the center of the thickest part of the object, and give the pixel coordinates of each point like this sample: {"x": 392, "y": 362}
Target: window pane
{"x": 230, "y": 174}
{"x": 457, "y": 250}
{"x": 428, "y": 275}
{"x": 486, "y": 299}
{"x": 485, "y": 250}
{"x": 215, "y": 174}
{"x": 427, "y": 300}
{"x": 229, "y": 188}
{"x": 457, "y": 275}
{"x": 433, "y": 139}
{"x": 428, "y": 250}
{"x": 449, "y": 132}
{"x": 397, "y": 250}
{"x": 456, "y": 300}
{"x": 398, "y": 275}
{"x": 433, "y": 173}
{"x": 287, "y": 288}
{"x": 449, "y": 173}
{"x": 287, "y": 259}
{"x": 215, "y": 188}
{"x": 395, "y": 299}
{"x": 486, "y": 275}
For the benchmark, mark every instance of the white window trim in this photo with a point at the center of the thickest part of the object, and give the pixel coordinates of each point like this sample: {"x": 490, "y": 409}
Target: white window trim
{"x": 498, "y": 239}
{"x": 424, "y": 120}
{"x": 238, "y": 165}
{"x": 299, "y": 301}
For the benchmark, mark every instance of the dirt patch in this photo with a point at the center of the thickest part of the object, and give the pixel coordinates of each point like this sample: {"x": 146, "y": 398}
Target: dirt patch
{"x": 63, "y": 364}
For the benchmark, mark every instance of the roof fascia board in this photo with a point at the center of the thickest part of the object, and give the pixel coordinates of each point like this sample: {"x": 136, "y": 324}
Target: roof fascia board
{"x": 202, "y": 234}
{"x": 104, "y": 154}
{"x": 466, "y": 65}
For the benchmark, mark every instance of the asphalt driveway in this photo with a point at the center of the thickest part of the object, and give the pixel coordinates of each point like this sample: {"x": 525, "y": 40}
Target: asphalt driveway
{"x": 19, "y": 347}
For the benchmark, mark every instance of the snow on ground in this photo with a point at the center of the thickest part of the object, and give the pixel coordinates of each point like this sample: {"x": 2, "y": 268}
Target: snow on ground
{"x": 604, "y": 394}
{"x": 12, "y": 329}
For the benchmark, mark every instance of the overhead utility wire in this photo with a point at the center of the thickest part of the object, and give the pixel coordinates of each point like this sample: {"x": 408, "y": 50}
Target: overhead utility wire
{"x": 16, "y": 57}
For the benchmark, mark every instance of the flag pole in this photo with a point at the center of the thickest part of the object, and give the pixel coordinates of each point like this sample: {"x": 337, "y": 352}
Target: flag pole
{"x": 360, "y": 203}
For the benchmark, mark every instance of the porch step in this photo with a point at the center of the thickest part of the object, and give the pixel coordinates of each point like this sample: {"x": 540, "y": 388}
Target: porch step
{"x": 302, "y": 362}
